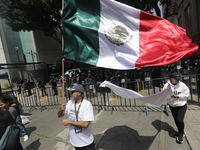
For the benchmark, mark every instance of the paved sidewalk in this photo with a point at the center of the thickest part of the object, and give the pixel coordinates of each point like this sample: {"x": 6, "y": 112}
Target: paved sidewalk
{"x": 122, "y": 129}
{"x": 192, "y": 126}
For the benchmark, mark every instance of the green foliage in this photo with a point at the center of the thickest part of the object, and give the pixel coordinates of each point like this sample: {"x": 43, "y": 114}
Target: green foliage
{"x": 33, "y": 15}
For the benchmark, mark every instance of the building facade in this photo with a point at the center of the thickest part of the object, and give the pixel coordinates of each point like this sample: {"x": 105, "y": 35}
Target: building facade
{"x": 189, "y": 18}
{"x": 186, "y": 14}
{"x": 26, "y": 54}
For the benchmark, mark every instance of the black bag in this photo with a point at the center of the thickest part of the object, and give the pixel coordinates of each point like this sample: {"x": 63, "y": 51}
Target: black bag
{"x": 9, "y": 137}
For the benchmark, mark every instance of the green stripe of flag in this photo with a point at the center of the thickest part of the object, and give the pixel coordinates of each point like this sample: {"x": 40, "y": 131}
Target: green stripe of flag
{"x": 80, "y": 30}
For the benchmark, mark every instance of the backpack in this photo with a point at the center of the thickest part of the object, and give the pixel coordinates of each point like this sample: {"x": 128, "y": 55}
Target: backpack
{"x": 9, "y": 138}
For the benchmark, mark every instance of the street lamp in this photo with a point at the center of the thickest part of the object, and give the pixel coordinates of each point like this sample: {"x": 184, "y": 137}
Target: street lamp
{"x": 17, "y": 52}
{"x": 33, "y": 54}
{"x": 16, "y": 49}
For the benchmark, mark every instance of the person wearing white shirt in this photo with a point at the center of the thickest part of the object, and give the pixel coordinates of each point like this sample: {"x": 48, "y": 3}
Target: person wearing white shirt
{"x": 178, "y": 103}
{"x": 79, "y": 114}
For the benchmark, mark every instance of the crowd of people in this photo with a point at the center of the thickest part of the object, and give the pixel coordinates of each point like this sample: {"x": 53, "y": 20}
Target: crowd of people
{"x": 101, "y": 74}
{"x": 27, "y": 85}
{"x": 97, "y": 75}
{"x": 92, "y": 77}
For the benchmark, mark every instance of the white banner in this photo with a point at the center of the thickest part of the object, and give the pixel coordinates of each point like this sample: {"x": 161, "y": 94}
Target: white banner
{"x": 155, "y": 100}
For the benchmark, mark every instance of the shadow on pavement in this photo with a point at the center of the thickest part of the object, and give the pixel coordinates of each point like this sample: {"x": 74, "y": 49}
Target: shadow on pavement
{"x": 34, "y": 145}
{"x": 123, "y": 138}
{"x": 126, "y": 138}
{"x": 160, "y": 125}
{"x": 30, "y": 129}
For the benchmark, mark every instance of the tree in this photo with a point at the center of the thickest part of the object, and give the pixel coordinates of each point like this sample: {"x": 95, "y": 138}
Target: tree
{"x": 27, "y": 15}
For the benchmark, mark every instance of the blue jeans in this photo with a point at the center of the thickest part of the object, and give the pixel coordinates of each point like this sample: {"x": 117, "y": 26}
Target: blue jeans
{"x": 21, "y": 126}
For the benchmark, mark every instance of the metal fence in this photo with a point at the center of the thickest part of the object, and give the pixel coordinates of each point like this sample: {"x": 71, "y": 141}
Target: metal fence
{"x": 104, "y": 98}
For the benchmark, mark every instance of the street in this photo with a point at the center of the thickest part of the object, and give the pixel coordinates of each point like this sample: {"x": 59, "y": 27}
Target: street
{"x": 117, "y": 130}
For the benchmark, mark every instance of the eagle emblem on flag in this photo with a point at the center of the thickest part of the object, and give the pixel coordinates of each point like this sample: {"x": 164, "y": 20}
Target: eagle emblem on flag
{"x": 118, "y": 35}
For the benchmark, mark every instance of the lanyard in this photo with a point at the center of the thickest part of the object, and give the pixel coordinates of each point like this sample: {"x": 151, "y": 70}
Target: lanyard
{"x": 76, "y": 112}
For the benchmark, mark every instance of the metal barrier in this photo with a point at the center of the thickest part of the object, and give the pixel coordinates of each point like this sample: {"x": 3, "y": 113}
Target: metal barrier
{"x": 103, "y": 98}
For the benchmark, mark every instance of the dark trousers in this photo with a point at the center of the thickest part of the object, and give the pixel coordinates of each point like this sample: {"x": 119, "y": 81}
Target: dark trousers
{"x": 43, "y": 90}
{"x": 178, "y": 114}
{"x": 55, "y": 90}
{"x": 29, "y": 92}
{"x": 89, "y": 147}
{"x": 19, "y": 89}
{"x": 18, "y": 145}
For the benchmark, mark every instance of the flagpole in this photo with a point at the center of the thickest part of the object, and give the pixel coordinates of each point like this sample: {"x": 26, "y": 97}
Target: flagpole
{"x": 63, "y": 65}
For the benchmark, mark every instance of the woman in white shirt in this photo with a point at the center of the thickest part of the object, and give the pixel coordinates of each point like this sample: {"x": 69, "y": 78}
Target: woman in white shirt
{"x": 178, "y": 103}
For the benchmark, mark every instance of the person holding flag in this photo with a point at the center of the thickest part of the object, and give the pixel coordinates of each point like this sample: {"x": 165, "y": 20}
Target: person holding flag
{"x": 79, "y": 119}
{"x": 178, "y": 103}
{"x": 110, "y": 34}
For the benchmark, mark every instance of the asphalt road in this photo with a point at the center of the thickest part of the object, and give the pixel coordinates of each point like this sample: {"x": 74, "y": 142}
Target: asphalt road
{"x": 113, "y": 130}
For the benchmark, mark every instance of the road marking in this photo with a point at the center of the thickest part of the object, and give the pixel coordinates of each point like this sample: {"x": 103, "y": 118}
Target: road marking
{"x": 61, "y": 145}
{"x": 63, "y": 134}
{"x": 96, "y": 117}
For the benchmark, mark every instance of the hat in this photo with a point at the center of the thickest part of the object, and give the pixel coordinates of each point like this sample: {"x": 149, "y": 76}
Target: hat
{"x": 77, "y": 87}
{"x": 175, "y": 76}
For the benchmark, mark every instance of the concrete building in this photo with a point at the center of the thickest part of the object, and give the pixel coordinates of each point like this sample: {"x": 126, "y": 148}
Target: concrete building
{"x": 186, "y": 14}
{"x": 26, "y": 54}
{"x": 189, "y": 18}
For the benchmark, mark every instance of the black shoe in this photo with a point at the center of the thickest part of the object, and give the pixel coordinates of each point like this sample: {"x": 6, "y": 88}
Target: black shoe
{"x": 176, "y": 135}
{"x": 165, "y": 112}
{"x": 179, "y": 139}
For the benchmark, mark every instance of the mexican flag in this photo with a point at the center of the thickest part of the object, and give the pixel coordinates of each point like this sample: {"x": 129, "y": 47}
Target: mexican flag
{"x": 109, "y": 34}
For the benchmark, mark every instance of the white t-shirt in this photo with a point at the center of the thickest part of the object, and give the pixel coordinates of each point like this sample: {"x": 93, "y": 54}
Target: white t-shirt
{"x": 181, "y": 90}
{"x": 85, "y": 137}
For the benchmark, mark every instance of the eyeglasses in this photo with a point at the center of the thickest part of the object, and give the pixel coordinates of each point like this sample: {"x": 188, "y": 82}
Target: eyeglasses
{"x": 73, "y": 92}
